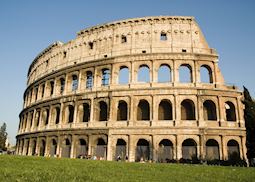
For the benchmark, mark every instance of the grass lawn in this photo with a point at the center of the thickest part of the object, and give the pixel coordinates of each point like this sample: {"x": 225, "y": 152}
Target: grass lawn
{"x": 21, "y": 168}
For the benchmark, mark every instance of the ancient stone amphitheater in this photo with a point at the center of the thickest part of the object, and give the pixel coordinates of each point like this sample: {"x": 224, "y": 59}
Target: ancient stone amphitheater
{"x": 138, "y": 89}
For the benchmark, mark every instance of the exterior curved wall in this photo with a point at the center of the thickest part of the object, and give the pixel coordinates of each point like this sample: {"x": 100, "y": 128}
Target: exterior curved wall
{"x": 67, "y": 112}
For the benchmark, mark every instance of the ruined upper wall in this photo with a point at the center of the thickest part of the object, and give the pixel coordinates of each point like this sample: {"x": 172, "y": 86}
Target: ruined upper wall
{"x": 120, "y": 38}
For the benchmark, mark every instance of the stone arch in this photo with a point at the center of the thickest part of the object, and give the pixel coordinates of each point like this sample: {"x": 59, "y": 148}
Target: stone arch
{"x": 165, "y": 150}
{"x": 53, "y": 147}
{"x": 185, "y": 73}
{"x": 81, "y": 148}
{"x": 142, "y": 150}
{"x": 66, "y": 148}
{"x": 209, "y": 110}
{"x": 124, "y": 75}
{"x": 143, "y": 110}
{"x": 101, "y": 148}
{"x": 233, "y": 149}
{"x": 62, "y": 85}
{"x": 42, "y": 147}
{"x": 206, "y": 74}
{"x": 230, "y": 111}
{"x": 189, "y": 149}
{"x": 165, "y": 110}
{"x": 105, "y": 77}
{"x": 187, "y": 110}
{"x": 120, "y": 151}
{"x": 122, "y": 113}
{"x": 164, "y": 73}
{"x": 212, "y": 150}
{"x": 57, "y": 114}
{"x": 143, "y": 74}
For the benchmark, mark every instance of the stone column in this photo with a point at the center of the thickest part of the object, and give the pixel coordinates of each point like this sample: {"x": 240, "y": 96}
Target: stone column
{"x": 58, "y": 146}
{"x": 109, "y": 148}
{"x": 131, "y": 149}
{"x": 178, "y": 147}
{"x": 72, "y": 153}
{"x": 224, "y": 148}
{"x": 221, "y": 109}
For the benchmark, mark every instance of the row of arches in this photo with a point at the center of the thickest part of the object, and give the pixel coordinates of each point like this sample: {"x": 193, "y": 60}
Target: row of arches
{"x": 143, "y": 149}
{"x": 165, "y": 112}
{"x": 86, "y": 80}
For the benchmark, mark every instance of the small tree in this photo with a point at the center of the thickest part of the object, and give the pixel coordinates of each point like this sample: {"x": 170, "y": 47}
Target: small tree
{"x": 249, "y": 116}
{"x": 3, "y": 136}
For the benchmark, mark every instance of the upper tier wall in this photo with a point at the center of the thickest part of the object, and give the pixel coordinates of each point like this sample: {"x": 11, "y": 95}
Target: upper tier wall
{"x": 163, "y": 34}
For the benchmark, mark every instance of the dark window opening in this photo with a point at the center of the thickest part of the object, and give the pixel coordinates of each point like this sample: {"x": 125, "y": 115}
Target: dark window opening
{"x": 189, "y": 149}
{"x": 184, "y": 50}
{"x": 163, "y": 36}
{"x": 91, "y": 45}
{"x": 165, "y": 151}
{"x": 36, "y": 93}
{"x": 105, "y": 77}
{"x": 103, "y": 111}
{"x": 123, "y": 39}
{"x": 43, "y": 87}
{"x": 64, "y": 54}
{"x": 142, "y": 150}
{"x": 62, "y": 85}
{"x": 122, "y": 111}
{"x": 71, "y": 113}
{"x": 75, "y": 83}
{"x": 57, "y": 115}
{"x": 86, "y": 112}
{"x": 89, "y": 80}
{"x": 209, "y": 110}
{"x": 143, "y": 51}
{"x": 51, "y": 87}
{"x": 230, "y": 111}
{"x": 212, "y": 150}
{"x": 165, "y": 110}
{"x": 143, "y": 110}
{"x": 187, "y": 110}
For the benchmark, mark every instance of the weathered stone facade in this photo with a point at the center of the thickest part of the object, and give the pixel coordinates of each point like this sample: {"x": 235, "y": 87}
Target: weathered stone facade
{"x": 77, "y": 104}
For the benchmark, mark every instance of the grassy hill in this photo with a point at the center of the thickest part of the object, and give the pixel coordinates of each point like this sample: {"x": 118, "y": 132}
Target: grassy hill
{"x": 18, "y": 168}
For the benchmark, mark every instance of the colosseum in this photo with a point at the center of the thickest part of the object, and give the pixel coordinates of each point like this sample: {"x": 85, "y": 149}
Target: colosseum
{"x": 145, "y": 89}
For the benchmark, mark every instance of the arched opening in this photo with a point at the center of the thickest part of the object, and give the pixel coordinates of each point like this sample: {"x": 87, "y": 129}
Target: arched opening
{"x": 70, "y": 113}
{"x": 66, "y": 148}
{"x": 51, "y": 87}
{"x": 46, "y": 117}
{"x": 27, "y": 147}
{"x": 57, "y": 111}
{"x": 233, "y": 149}
{"x": 53, "y": 148}
{"x": 189, "y": 149}
{"x": 105, "y": 77}
{"x": 230, "y": 111}
{"x": 209, "y": 110}
{"x": 165, "y": 151}
{"x": 42, "y": 148}
{"x": 144, "y": 74}
{"x": 81, "y": 150}
{"x": 37, "y": 118}
{"x": 74, "y": 82}
{"x": 86, "y": 112}
{"x": 187, "y": 110}
{"x": 185, "y": 74}
{"x": 206, "y": 74}
{"x": 124, "y": 75}
{"x": 103, "y": 111}
{"x": 122, "y": 111}
{"x": 101, "y": 149}
{"x": 212, "y": 150}
{"x": 143, "y": 110}
{"x": 142, "y": 150}
{"x": 164, "y": 74}
{"x": 89, "y": 79}
{"x": 120, "y": 152}
{"x": 34, "y": 147}
{"x": 165, "y": 110}
{"x": 62, "y": 85}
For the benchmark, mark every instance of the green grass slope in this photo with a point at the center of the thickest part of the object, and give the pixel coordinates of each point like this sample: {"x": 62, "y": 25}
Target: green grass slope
{"x": 18, "y": 168}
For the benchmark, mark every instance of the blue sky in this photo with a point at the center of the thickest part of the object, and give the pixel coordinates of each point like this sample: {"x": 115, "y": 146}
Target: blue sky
{"x": 27, "y": 27}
